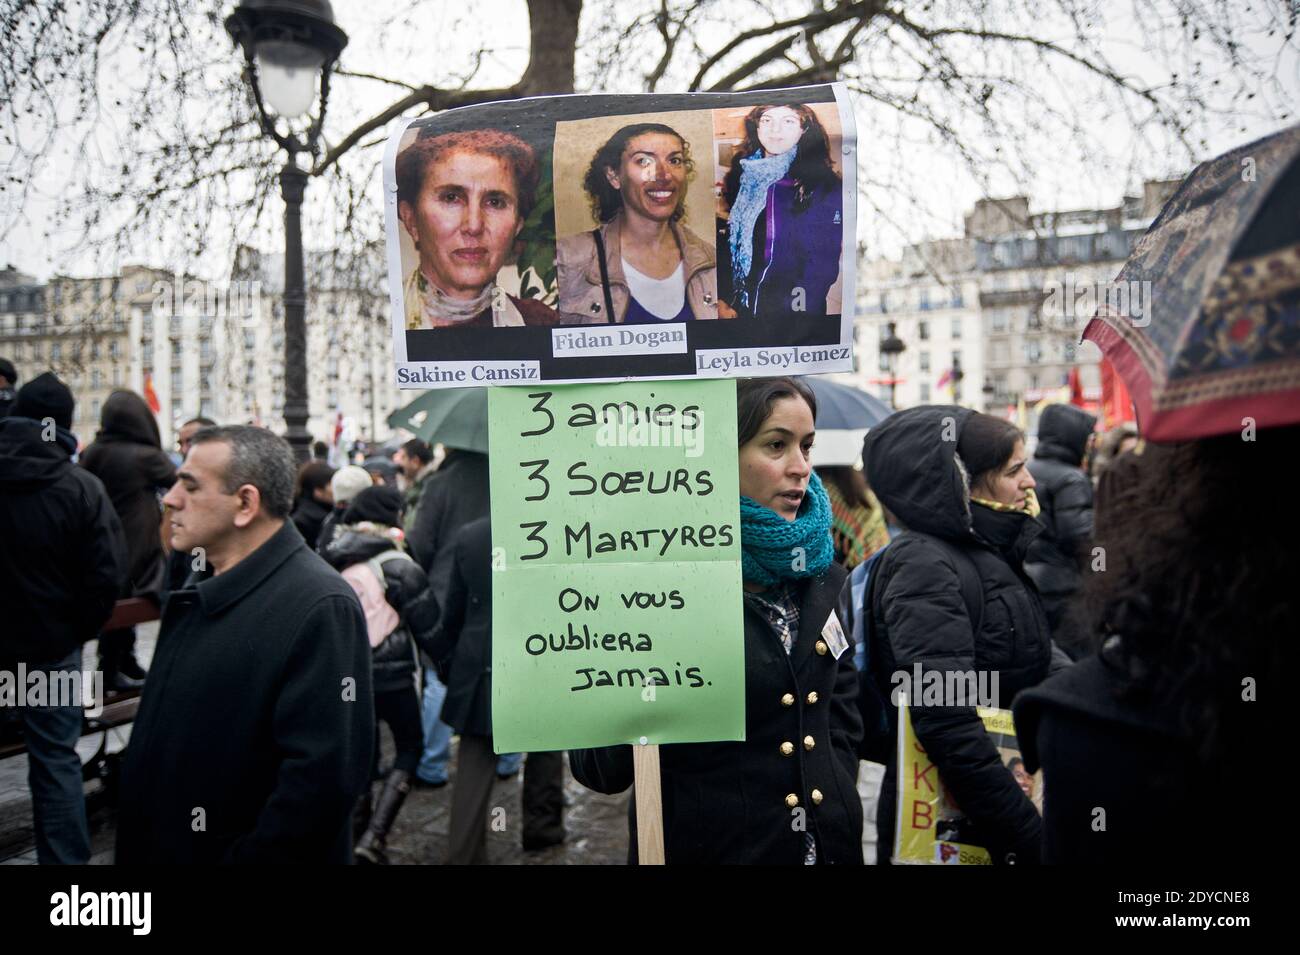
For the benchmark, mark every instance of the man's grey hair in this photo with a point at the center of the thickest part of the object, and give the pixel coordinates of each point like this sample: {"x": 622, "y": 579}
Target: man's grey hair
{"x": 259, "y": 458}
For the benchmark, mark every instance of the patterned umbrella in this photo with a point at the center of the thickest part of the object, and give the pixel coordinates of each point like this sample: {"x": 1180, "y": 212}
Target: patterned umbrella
{"x": 455, "y": 417}
{"x": 1203, "y": 321}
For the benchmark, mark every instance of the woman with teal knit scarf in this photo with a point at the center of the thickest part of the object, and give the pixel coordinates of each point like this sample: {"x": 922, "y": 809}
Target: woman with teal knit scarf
{"x": 788, "y": 793}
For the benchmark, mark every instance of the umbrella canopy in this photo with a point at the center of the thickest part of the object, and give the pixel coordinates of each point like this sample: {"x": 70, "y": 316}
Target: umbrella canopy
{"x": 454, "y": 417}
{"x": 844, "y": 415}
{"x": 1203, "y": 321}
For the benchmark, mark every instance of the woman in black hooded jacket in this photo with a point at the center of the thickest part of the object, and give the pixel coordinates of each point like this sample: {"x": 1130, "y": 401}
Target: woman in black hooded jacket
{"x": 127, "y": 456}
{"x": 371, "y": 542}
{"x": 957, "y": 481}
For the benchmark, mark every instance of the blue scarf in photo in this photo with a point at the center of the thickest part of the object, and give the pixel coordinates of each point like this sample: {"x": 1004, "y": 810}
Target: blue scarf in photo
{"x": 771, "y": 547}
{"x": 758, "y": 173}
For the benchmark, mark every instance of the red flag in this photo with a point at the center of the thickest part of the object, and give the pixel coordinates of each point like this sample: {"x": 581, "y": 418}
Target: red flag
{"x": 1116, "y": 404}
{"x": 944, "y": 378}
{"x": 338, "y": 428}
{"x": 150, "y": 395}
{"x": 1076, "y": 388}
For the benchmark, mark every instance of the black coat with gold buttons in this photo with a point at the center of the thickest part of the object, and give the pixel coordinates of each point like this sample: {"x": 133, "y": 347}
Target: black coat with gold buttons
{"x": 796, "y": 772}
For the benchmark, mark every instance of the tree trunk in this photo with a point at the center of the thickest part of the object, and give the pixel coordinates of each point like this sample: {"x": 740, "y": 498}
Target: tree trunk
{"x": 553, "y": 25}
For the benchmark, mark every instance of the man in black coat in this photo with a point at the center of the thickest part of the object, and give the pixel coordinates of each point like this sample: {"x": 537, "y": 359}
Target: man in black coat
{"x": 1055, "y": 559}
{"x": 464, "y": 635}
{"x": 256, "y": 728}
{"x": 453, "y": 496}
{"x": 62, "y": 563}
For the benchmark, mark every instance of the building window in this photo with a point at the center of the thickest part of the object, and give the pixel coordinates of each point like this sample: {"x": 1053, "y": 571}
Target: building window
{"x": 923, "y": 331}
{"x": 56, "y": 351}
{"x": 925, "y": 392}
{"x": 1033, "y": 351}
{"x": 924, "y": 299}
{"x": 1067, "y": 351}
{"x": 956, "y": 328}
{"x": 113, "y": 350}
{"x": 925, "y": 360}
{"x": 999, "y": 321}
{"x": 882, "y": 362}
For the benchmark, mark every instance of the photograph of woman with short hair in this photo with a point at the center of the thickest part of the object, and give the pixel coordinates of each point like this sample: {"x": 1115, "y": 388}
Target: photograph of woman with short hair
{"x": 780, "y": 248}
{"x": 463, "y": 198}
{"x": 642, "y": 263}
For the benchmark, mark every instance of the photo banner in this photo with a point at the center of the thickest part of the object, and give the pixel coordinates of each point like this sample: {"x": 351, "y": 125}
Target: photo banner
{"x": 607, "y": 238}
{"x": 930, "y": 828}
{"x": 616, "y": 590}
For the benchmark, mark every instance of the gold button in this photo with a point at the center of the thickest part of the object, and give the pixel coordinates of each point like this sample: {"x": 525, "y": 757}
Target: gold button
{"x": 809, "y": 742}
{"x": 787, "y": 699}
{"x": 816, "y": 797}
{"x": 812, "y": 697}
{"x": 792, "y": 800}
{"x": 821, "y": 648}
{"x": 787, "y": 748}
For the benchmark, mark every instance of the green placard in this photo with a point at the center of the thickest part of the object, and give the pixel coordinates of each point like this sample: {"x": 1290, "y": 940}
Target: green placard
{"x": 616, "y": 596}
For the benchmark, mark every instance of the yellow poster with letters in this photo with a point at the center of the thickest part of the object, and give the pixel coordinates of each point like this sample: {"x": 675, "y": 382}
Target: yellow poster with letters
{"x": 929, "y": 826}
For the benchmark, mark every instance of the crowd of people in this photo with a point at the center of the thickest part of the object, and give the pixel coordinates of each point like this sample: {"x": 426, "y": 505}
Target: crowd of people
{"x": 1130, "y": 616}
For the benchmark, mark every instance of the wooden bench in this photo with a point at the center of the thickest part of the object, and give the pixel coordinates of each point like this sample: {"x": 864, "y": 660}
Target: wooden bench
{"x": 118, "y": 709}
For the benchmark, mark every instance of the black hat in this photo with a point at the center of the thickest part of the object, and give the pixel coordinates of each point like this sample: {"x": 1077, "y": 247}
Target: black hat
{"x": 379, "y": 504}
{"x": 45, "y": 397}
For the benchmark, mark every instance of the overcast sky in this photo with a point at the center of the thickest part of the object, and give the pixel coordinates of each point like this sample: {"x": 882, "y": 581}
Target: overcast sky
{"x": 919, "y": 190}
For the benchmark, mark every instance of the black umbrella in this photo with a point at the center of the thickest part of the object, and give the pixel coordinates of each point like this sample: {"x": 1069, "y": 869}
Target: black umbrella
{"x": 841, "y": 408}
{"x": 844, "y": 416}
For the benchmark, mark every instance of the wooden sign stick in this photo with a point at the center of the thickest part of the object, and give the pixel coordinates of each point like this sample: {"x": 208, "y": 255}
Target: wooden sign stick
{"x": 649, "y": 805}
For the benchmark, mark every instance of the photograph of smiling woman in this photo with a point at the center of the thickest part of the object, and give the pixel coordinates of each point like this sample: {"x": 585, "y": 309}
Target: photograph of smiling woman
{"x": 463, "y": 198}
{"x": 642, "y": 263}
{"x": 780, "y": 248}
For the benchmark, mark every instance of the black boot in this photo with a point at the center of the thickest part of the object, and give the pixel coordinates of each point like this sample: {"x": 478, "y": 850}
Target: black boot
{"x": 361, "y": 815}
{"x": 116, "y": 680}
{"x": 372, "y": 849}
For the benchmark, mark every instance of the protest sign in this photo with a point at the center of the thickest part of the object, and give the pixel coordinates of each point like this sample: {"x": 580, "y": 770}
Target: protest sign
{"x": 929, "y": 826}
{"x": 607, "y": 238}
{"x": 616, "y": 598}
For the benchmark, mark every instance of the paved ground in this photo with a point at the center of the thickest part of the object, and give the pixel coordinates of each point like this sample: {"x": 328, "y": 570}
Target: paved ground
{"x": 597, "y": 825}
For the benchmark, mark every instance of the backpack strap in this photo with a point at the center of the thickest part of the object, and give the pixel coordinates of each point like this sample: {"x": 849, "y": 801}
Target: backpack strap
{"x": 604, "y": 275}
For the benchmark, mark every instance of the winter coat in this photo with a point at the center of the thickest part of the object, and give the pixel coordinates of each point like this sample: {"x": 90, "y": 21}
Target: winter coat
{"x": 733, "y": 802}
{"x": 258, "y": 711}
{"x": 582, "y": 296}
{"x": 464, "y": 631}
{"x": 455, "y": 495}
{"x": 406, "y": 588}
{"x": 793, "y": 249}
{"x": 127, "y": 456}
{"x": 63, "y": 557}
{"x": 919, "y": 617}
{"x": 1065, "y": 495}
{"x": 1129, "y": 756}
{"x": 309, "y": 517}
{"x": 411, "y": 496}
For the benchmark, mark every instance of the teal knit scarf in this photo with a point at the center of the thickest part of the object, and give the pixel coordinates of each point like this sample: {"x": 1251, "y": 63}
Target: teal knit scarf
{"x": 773, "y": 549}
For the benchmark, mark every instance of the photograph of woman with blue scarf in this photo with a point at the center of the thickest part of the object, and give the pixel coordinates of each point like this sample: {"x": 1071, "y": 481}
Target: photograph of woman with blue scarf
{"x": 779, "y": 249}
{"x": 787, "y": 794}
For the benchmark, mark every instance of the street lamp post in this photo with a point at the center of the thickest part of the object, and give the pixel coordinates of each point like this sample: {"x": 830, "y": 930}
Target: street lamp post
{"x": 891, "y": 347}
{"x": 287, "y": 44}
